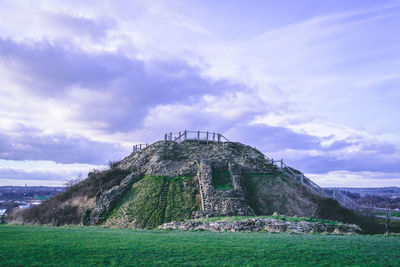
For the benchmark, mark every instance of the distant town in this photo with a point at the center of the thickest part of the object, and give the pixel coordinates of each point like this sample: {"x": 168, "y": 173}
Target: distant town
{"x": 25, "y": 196}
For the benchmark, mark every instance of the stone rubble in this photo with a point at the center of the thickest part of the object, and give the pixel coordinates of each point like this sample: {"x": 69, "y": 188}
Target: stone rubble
{"x": 263, "y": 224}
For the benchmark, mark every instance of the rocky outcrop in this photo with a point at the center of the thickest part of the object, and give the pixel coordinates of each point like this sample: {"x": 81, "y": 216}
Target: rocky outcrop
{"x": 264, "y": 224}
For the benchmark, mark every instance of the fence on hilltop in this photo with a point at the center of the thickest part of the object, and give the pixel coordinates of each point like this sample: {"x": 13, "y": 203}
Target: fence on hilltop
{"x": 198, "y": 136}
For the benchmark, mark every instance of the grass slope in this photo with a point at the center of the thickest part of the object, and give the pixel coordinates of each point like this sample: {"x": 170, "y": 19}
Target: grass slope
{"x": 154, "y": 200}
{"x": 275, "y": 192}
{"x": 92, "y": 246}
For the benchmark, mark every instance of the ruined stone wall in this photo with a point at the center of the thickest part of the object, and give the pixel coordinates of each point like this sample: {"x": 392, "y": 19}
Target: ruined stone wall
{"x": 222, "y": 203}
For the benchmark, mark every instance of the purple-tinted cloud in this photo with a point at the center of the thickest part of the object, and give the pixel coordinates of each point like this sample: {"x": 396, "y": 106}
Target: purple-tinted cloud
{"x": 365, "y": 156}
{"x": 357, "y": 162}
{"x": 269, "y": 138}
{"x": 62, "y": 149}
{"x": 131, "y": 86}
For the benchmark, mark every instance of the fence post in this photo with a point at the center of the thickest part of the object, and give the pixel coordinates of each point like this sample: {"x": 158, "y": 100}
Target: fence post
{"x": 170, "y": 136}
{"x": 219, "y": 138}
{"x": 207, "y": 137}
{"x": 213, "y": 137}
{"x": 179, "y": 137}
{"x": 165, "y": 137}
{"x": 387, "y": 220}
{"x": 198, "y": 136}
{"x": 185, "y": 136}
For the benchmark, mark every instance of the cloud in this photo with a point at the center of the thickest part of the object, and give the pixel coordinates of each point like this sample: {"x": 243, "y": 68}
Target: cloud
{"x": 355, "y": 179}
{"x": 42, "y": 172}
{"x": 269, "y": 138}
{"x": 110, "y": 88}
{"x": 362, "y": 155}
{"x": 31, "y": 145}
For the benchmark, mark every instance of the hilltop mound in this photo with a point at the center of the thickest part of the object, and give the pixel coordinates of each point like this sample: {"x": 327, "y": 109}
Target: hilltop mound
{"x": 168, "y": 182}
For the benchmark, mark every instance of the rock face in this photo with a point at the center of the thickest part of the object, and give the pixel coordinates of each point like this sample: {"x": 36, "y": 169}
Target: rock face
{"x": 110, "y": 199}
{"x": 264, "y": 224}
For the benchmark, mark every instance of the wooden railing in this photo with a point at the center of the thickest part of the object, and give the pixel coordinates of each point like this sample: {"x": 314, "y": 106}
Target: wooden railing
{"x": 387, "y": 211}
{"x": 307, "y": 182}
{"x": 298, "y": 176}
{"x": 198, "y": 136}
{"x": 345, "y": 200}
{"x": 139, "y": 147}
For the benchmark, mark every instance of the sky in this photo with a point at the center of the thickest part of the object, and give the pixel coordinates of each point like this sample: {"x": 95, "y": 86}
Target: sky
{"x": 315, "y": 83}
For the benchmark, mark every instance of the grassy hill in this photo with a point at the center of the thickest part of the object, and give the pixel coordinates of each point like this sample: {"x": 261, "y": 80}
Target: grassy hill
{"x": 173, "y": 182}
{"x": 91, "y": 246}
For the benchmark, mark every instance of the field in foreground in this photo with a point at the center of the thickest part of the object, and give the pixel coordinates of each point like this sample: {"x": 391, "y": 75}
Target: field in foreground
{"x": 88, "y": 246}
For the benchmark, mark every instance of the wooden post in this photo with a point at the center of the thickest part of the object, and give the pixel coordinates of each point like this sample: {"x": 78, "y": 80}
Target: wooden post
{"x": 185, "y": 136}
{"x": 165, "y": 137}
{"x": 219, "y": 138}
{"x": 213, "y": 137}
{"x": 198, "y": 136}
{"x": 179, "y": 137}
{"x": 207, "y": 137}
{"x": 387, "y": 220}
{"x": 170, "y": 136}
{"x": 140, "y": 147}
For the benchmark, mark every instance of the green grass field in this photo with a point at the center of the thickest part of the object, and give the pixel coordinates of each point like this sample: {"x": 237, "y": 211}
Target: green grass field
{"x": 92, "y": 246}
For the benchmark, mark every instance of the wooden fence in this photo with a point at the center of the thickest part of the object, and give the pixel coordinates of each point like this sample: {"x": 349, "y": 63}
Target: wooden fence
{"x": 298, "y": 176}
{"x": 197, "y": 136}
{"x": 139, "y": 147}
{"x": 387, "y": 213}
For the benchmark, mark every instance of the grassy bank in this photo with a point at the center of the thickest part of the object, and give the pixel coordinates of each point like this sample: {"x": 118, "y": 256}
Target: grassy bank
{"x": 91, "y": 246}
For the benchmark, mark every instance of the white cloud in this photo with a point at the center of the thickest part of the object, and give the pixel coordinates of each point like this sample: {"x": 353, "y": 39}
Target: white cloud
{"x": 355, "y": 179}
{"x": 39, "y": 172}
